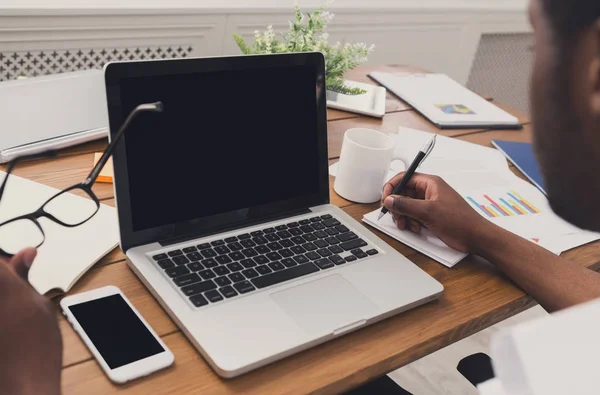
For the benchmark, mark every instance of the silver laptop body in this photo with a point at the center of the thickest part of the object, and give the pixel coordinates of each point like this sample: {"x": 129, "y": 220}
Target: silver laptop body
{"x": 308, "y": 273}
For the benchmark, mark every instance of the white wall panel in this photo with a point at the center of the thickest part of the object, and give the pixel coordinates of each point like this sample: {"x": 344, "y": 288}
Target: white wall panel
{"x": 439, "y": 35}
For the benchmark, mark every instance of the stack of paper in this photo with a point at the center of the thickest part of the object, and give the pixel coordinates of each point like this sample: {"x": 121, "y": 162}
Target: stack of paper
{"x": 482, "y": 176}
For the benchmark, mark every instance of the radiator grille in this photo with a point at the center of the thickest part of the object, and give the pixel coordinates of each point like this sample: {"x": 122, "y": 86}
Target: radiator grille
{"x": 34, "y": 63}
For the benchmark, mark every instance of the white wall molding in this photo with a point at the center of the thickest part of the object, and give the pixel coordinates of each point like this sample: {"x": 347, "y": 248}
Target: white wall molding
{"x": 25, "y": 33}
{"x": 440, "y": 35}
{"x": 257, "y": 7}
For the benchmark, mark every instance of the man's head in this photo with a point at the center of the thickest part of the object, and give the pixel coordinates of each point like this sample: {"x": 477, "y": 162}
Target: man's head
{"x": 565, "y": 98}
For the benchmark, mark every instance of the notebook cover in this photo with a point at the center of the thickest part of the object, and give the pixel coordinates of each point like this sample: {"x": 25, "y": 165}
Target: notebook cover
{"x": 522, "y": 156}
{"x": 422, "y": 104}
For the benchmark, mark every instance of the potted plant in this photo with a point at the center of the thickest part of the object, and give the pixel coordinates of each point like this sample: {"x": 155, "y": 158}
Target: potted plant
{"x": 307, "y": 34}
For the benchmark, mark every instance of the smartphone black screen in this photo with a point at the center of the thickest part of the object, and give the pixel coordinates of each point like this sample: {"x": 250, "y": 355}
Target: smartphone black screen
{"x": 115, "y": 330}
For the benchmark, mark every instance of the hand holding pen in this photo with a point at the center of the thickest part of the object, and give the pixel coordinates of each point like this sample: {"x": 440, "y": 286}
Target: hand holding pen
{"x": 420, "y": 158}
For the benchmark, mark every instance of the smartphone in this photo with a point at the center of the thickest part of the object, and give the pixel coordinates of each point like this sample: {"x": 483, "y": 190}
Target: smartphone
{"x": 122, "y": 342}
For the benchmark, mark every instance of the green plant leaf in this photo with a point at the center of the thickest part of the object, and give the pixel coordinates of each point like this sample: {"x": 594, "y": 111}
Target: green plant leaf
{"x": 306, "y": 34}
{"x": 346, "y": 90}
{"x": 241, "y": 43}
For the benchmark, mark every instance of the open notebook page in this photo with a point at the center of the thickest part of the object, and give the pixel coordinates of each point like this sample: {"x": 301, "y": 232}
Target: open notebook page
{"x": 425, "y": 242}
{"x": 67, "y": 253}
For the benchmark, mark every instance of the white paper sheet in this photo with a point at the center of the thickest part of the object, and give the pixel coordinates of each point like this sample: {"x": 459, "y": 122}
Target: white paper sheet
{"x": 542, "y": 224}
{"x": 553, "y": 355}
{"x": 425, "y": 243}
{"x": 448, "y": 154}
{"x": 67, "y": 253}
{"x": 478, "y": 173}
{"x": 492, "y": 387}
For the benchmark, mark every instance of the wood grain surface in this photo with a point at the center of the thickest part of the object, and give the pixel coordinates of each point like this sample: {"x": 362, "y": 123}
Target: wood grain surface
{"x": 476, "y": 294}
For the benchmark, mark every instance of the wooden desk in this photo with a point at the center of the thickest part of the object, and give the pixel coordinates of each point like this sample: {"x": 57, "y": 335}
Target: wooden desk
{"x": 476, "y": 295}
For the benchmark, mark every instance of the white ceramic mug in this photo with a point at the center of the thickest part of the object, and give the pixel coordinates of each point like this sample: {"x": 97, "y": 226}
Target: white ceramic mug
{"x": 364, "y": 163}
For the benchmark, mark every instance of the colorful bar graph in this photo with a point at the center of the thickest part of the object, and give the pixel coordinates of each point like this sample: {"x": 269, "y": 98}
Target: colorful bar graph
{"x": 508, "y": 205}
{"x": 516, "y": 207}
{"x": 492, "y": 209}
{"x": 488, "y": 211}
{"x": 480, "y": 207}
{"x": 525, "y": 203}
{"x": 496, "y": 205}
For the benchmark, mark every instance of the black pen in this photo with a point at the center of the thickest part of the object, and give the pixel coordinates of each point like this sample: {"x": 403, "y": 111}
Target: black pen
{"x": 421, "y": 156}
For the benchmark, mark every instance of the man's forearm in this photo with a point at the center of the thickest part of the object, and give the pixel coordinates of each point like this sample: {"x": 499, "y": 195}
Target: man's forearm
{"x": 553, "y": 281}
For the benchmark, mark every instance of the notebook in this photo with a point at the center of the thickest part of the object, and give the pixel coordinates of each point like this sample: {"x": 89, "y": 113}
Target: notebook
{"x": 445, "y": 102}
{"x": 426, "y": 243}
{"x": 522, "y": 156}
{"x": 67, "y": 253}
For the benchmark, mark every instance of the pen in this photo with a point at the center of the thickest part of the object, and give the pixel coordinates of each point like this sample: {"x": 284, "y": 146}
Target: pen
{"x": 421, "y": 156}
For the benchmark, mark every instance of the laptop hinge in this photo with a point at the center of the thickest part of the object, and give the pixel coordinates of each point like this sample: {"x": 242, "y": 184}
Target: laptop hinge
{"x": 227, "y": 228}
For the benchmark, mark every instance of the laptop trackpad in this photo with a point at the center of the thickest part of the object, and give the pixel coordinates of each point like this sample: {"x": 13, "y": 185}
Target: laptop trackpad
{"x": 326, "y": 304}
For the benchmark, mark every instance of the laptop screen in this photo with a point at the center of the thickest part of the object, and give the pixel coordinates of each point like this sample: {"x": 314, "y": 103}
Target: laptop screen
{"x": 227, "y": 141}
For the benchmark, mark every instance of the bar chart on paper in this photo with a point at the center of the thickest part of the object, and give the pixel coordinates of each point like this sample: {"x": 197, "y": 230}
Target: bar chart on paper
{"x": 508, "y": 204}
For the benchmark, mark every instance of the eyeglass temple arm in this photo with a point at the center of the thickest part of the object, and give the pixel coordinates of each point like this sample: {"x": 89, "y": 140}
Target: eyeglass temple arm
{"x": 154, "y": 107}
{"x": 9, "y": 170}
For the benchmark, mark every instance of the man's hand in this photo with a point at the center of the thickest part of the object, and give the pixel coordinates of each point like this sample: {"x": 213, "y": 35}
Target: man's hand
{"x": 551, "y": 280}
{"x": 428, "y": 201}
{"x": 30, "y": 340}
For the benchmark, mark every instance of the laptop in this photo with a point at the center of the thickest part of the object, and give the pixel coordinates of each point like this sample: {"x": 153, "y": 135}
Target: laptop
{"x": 224, "y": 214}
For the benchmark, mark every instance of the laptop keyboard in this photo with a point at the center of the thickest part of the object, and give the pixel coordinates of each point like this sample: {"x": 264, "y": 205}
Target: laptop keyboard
{"x": 222, "y": 269}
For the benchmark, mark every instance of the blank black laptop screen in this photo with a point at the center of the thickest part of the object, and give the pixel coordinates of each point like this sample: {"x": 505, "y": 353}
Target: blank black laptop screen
{"x": 226, "y": 141}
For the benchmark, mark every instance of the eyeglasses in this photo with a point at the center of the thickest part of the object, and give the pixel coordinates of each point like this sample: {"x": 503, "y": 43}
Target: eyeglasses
{"x": 25, "y": 230}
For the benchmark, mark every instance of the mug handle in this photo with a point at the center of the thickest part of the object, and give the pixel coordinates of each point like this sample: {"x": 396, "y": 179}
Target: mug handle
{"x": 395, "y": 170}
